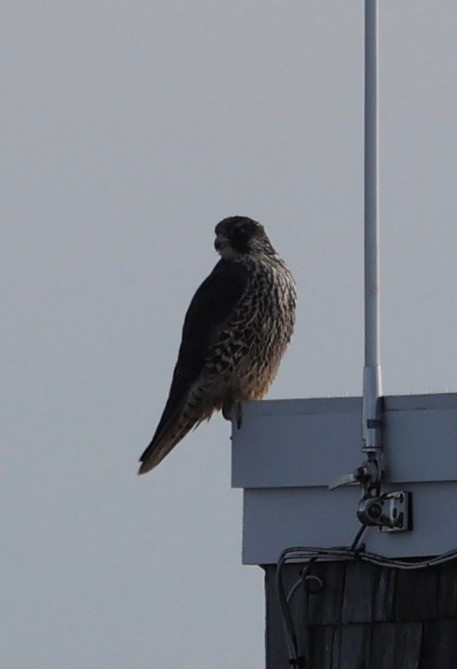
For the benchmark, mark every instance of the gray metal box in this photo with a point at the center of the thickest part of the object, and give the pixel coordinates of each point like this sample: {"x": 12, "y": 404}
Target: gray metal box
{"x": 288, "y": 451}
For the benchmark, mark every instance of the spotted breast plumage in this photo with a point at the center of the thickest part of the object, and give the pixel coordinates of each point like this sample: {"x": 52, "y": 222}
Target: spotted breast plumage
{"x": 235, "y": 332}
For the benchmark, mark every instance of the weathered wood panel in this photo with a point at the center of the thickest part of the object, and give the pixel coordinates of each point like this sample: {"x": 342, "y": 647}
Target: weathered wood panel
{"x": 369, "y": 617}
{"x": 392, "y": 643}
{"x": 439, "y": 647}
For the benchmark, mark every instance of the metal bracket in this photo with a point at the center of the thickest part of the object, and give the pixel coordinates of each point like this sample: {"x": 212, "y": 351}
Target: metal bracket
{"x": 391, "y": 512}
{"x": 368, "y": 475}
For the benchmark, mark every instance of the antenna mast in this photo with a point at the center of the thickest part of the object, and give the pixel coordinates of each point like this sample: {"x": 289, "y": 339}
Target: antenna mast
{"x": 371, "y": 414}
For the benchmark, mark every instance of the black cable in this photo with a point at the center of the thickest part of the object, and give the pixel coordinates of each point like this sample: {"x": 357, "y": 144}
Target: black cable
{"x": 304, "y": 554}
{"x": 358, "y": 537}
{"x": 289, "y": 626}
{"x": 296, "y": 659}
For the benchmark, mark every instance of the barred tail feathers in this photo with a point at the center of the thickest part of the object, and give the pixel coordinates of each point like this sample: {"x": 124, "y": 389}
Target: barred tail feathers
{"x": 161, "y": 445}
{"x": 187, "y": 415}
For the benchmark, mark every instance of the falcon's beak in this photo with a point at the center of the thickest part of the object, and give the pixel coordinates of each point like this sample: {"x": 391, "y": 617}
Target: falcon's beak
{"x": 220, "y": 242}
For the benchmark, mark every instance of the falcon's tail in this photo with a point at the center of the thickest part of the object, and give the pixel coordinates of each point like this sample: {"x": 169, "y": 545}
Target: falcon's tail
{"x": 162, "y": 444}
{"x": 179, "y": 417}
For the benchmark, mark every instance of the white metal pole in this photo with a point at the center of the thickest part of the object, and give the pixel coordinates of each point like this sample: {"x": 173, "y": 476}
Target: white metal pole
{"x": 371, "y": 432}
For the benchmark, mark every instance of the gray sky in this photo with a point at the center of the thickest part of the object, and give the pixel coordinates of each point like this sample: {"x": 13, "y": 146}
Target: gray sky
{"x": 129, "y": 130}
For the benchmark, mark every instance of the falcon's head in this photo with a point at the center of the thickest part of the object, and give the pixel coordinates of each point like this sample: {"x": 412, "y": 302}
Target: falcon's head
{"x": 240, "y": 235}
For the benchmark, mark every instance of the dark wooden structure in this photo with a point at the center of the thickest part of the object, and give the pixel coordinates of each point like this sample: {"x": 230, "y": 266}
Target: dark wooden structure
{"x": 369, "y": 617}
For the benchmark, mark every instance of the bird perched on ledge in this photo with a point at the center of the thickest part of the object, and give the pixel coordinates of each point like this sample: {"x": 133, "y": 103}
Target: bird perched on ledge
{"x": 235, "y": 332}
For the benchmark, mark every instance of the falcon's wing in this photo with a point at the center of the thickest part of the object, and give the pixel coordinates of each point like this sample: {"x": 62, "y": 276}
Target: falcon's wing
{"x": 210, "y": 307}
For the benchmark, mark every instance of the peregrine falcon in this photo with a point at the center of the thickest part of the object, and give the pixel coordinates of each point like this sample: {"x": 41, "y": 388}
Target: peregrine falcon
{"x": 235, "y": 332}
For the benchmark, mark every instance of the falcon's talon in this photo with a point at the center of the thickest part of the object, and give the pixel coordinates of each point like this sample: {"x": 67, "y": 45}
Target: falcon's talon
{"x": 227, "y": 410}
{"x": 238, "y": 414}
{"x": 233, "y": 411}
